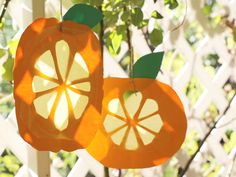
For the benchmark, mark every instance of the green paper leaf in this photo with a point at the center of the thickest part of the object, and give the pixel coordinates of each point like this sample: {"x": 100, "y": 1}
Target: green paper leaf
{"x": 148, "y": 66}
{"x": 84, "y": 14}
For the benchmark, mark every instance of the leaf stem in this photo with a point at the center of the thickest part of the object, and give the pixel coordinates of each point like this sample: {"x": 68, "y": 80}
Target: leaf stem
{"x": 101, "y": 36}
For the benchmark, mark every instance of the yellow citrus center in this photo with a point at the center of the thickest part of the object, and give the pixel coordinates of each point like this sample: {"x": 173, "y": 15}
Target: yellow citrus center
{"x": 127, "y": 129}
{"x": 47, "y": 79}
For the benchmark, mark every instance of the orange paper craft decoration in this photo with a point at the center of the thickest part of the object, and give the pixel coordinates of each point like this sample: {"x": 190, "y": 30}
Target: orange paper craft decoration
{"x": 138, "y": 129}
{"x": 58, "y": 85}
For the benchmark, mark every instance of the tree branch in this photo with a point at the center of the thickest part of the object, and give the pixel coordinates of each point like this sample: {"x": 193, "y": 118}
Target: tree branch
{"x": 232, "y": 168}
{"x": 129, "y": 40}
{"x": 145, "y": 35}
{"x": 4, "y": 10}
{"x": 119, "y": 173}
{"x": 106, "y": 172}
{"x": 101, "y": 36}
{"x": 182, "y": 172}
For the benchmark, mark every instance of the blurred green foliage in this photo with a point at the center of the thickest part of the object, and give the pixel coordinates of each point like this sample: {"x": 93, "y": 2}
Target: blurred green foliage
{"x": 119, "y": 14}
{"x": 5, "y": 89}
{"x": 7, "y": 47}
{"x": 133, "y": 173}
{"x": 211, "y": 63}
{"x": 171, "y": 3}
{"x": 7, "y": 69}
{"x": 230, "y": 89}
{"x": 211, "y": 114}
{"x": 156, "y": 15}
{"x": 64, "y": 161}
{"x": 194, "y": 89}
{"x": 194, "y": 34}
{"x": 171, "y": 170}
{"x": 9, "y": 164}
{"x": 156, "y": 37}
{"x": 234, "y": 34}
{"x": 211, "y": 167}
{"x": 191, "y": 142}
{"x": 229, "y": 142}
{"x": 212, "y": 10}
{"x": 173, "y": 62}
{"x": 7, "y": 54}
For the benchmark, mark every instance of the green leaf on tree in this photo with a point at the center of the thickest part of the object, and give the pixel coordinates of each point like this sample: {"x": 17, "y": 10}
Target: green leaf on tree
{"x": 111, "y": 18}
{"x": 125, "y": 16}
{"x": 1, "y": 25}
{"x": 143, "y": 23}
{"x": 171, "y": 3}
{"x": 148, "y": 66}
{"x": 156, "y": 37}
{"x": 136, "y": 16}
{"x": 13, "y": 46}
{"x": 156, "y": 15}
{"x": 113, "y": 42}
{"x": 6, "y": 70}
{"x": 207, "y": 9}
{"x": 2, "y": 53}
{"x": 116, "y": 41}
{"x": 234, "y": 34}
{"x": 84, "y": 14}
{"x": 138, "y": 3}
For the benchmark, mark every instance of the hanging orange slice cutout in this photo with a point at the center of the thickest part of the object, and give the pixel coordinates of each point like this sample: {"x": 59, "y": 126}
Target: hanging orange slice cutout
{"x": 143, "y": 124}
{"x": 58, "y": 85}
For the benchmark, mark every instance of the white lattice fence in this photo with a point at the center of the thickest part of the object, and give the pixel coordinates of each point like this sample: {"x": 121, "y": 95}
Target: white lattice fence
{"x": 213, "y": 40}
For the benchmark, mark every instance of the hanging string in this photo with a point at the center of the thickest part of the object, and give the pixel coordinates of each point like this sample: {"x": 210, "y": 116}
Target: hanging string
{"x": 61, "y": 15}
{"x": 131, "y": 51}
